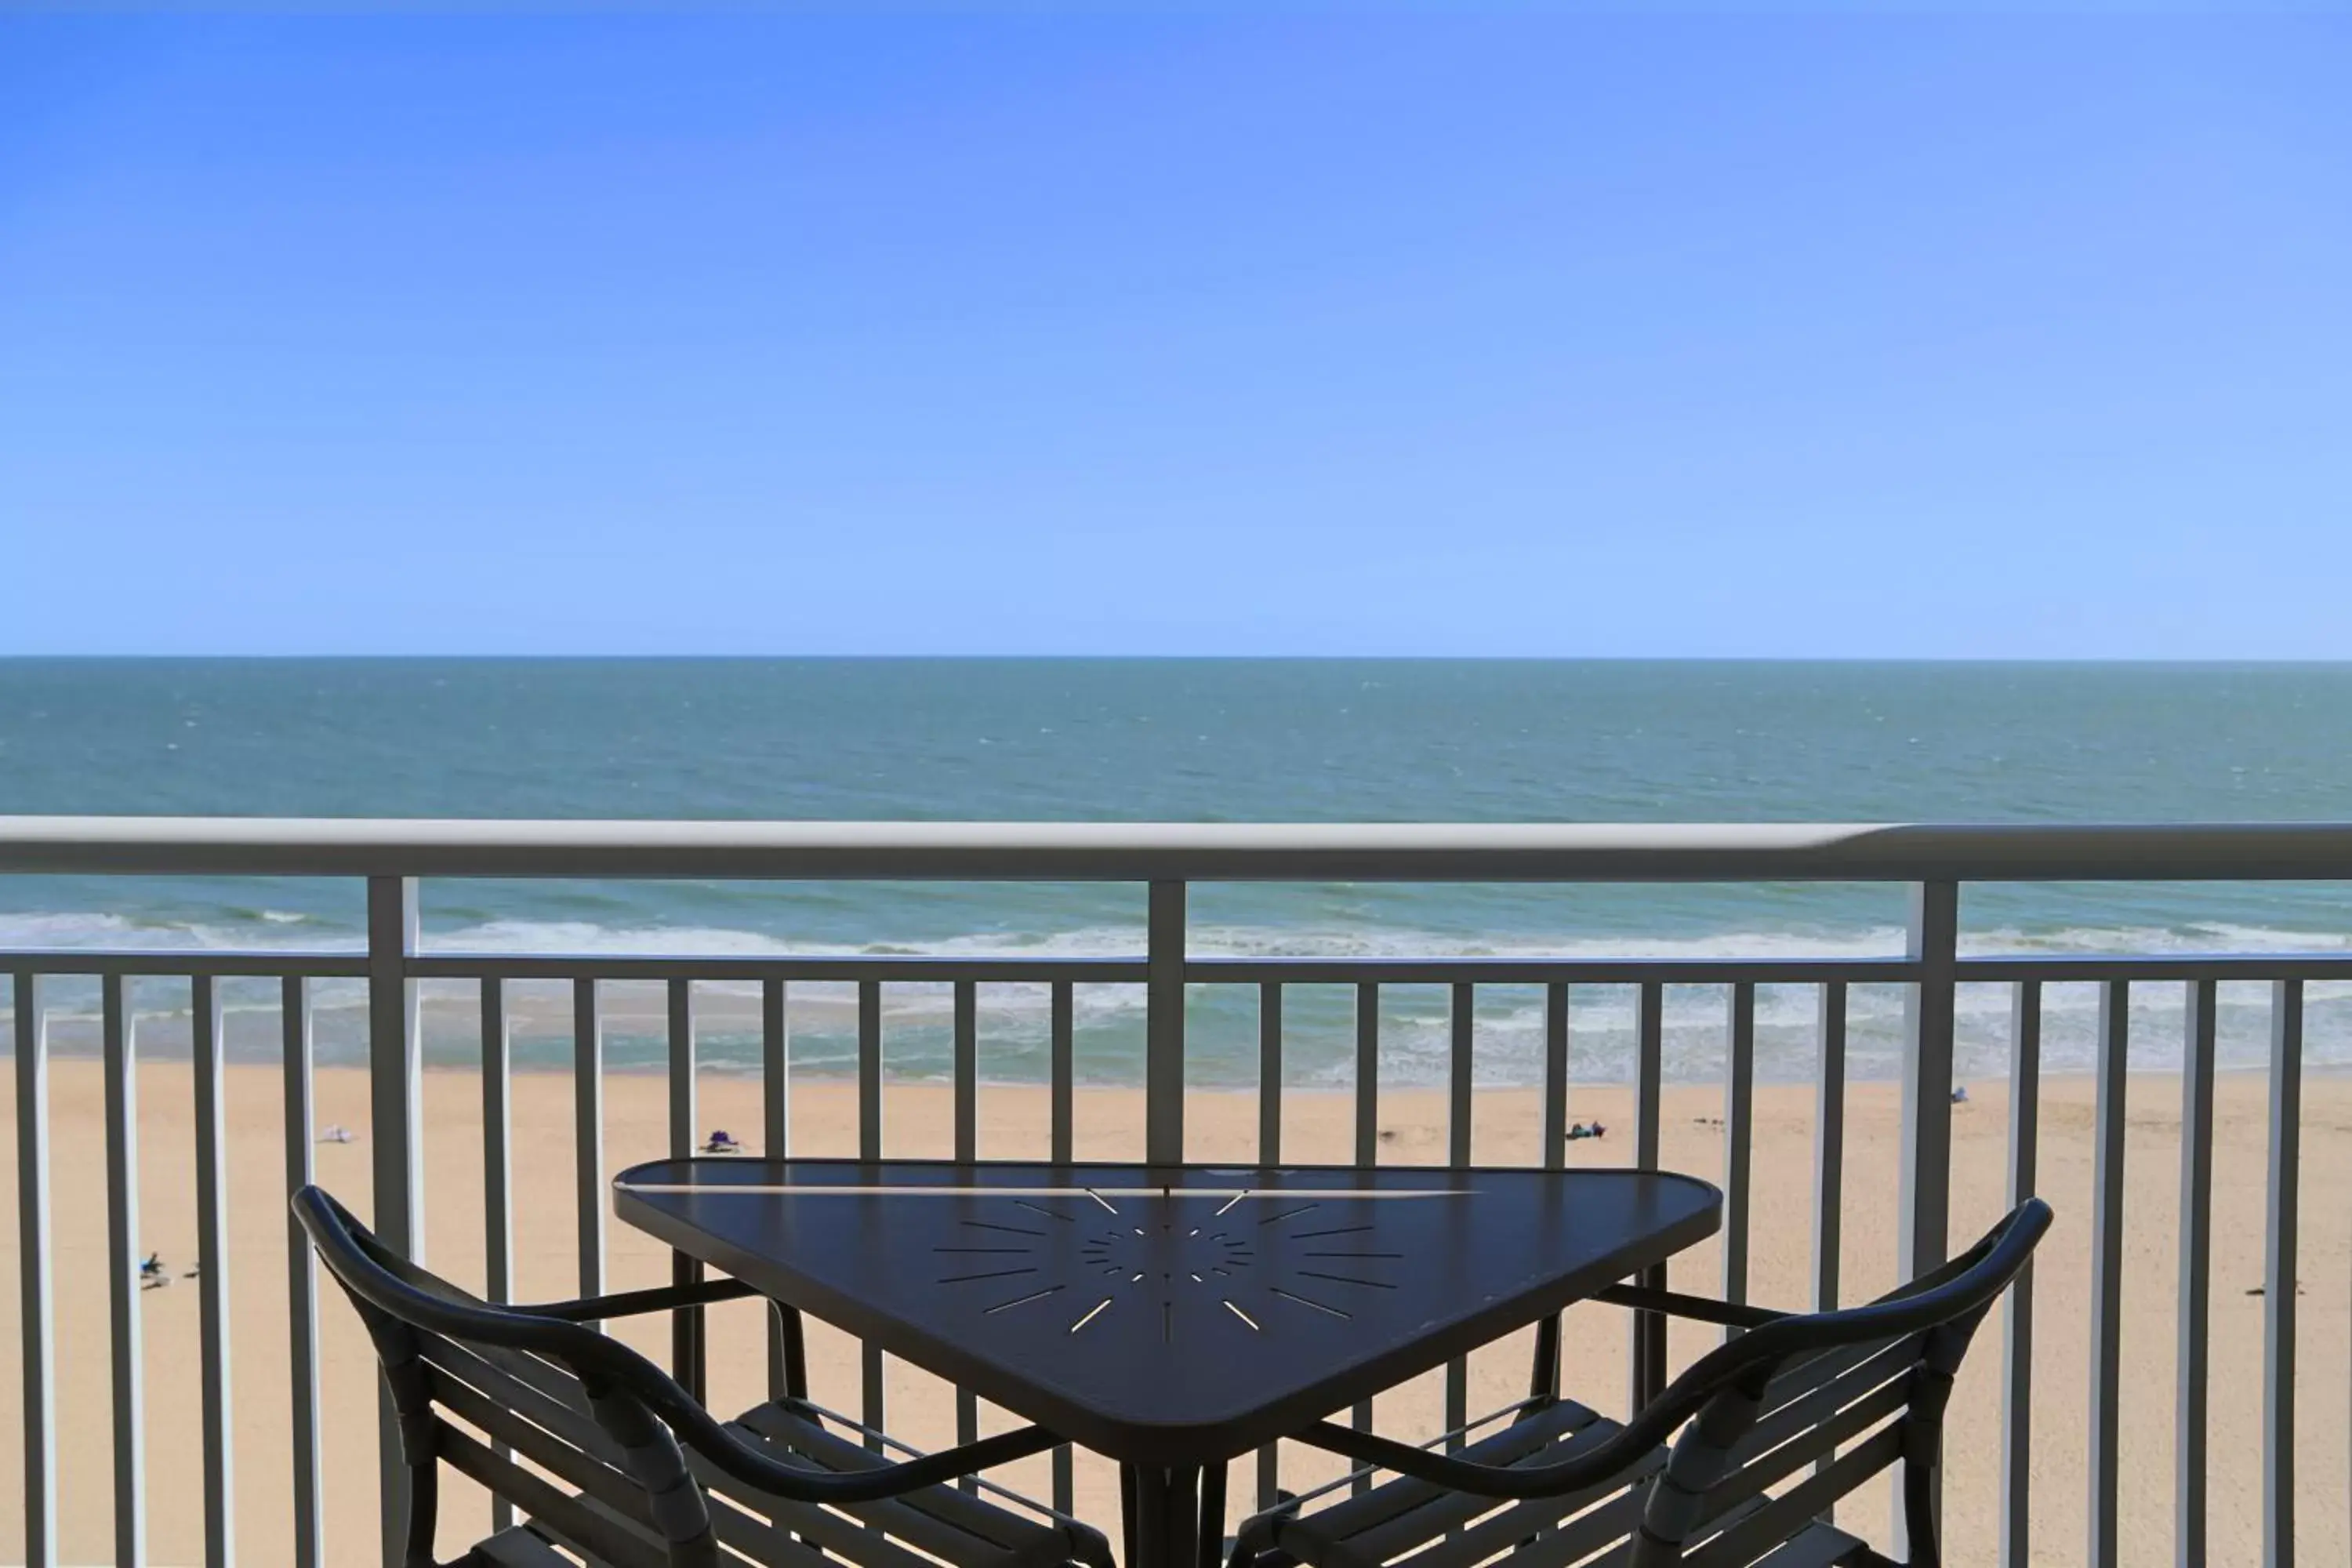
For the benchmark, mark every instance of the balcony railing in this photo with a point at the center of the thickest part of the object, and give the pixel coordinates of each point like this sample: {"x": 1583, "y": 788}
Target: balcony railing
{"x": 1933, "y": 972}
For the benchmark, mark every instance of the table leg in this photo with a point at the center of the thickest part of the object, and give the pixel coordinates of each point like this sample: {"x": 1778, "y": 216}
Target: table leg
{"x": 1163, "y": 1527}
{"x": 1650, "y": 1344}
{"x": 1128, "y": 1505}
{"x": 1211, "y": 1515}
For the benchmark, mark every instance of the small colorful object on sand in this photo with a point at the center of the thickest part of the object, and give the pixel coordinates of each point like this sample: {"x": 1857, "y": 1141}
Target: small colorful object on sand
{"x": 722, "y": 1143}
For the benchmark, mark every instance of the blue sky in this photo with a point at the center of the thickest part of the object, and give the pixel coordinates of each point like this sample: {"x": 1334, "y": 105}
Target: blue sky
{"x": 1054, "y": 333}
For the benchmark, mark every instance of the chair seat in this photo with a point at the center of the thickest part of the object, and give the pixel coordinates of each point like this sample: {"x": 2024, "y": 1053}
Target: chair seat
{"x": 518, "y": 1547}
{"x": 1442, "y": 1529}
{"x": 1435, "y": 1528}
{"x": 918, "y": 1530}
{"x": 942, "y": 1522}
{"x": 1824, "y": 1546}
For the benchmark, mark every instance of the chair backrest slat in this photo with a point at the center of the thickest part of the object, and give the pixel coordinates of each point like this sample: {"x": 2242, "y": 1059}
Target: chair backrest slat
{"x": 551, "y": 1380}
{"x": 1758, "y": 1476}
{"x": 796, "y": 1546}
{"x": 938, "y": 1520}
{"x": 601, "y": 1537}
{"x": 1891, "y": 1365}
{"x": 1748, "y": 1538}
{"x": 1804, "y": 1375}
{"x": 839, "y": 1530}
{"x": 455, "y": 1366}
{"x": 1474, "y": 1527}
{"x": 584, "y": 1471}
{"x": 1611, "y": 1519}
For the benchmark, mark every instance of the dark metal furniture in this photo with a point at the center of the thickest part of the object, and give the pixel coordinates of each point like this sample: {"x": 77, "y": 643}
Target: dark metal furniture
{"x": 1812, "y": 1405}
{"x": 646, "y": 1476}
{"x": 1169, "y": 1318}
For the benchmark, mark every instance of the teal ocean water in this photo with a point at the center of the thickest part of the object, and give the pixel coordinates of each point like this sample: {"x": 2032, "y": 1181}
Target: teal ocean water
{"x": 1203, "y": 741}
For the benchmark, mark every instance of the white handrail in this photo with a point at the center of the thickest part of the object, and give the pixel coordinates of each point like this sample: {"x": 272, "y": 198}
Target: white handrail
{"x": 1149, "y": 851}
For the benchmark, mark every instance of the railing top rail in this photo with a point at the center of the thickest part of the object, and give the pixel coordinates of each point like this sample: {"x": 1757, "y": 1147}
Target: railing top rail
{"x": 1088, "y": 851}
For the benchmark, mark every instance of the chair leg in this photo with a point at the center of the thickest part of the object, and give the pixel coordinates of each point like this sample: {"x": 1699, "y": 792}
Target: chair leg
{"x": 1920, "y": 1514}
{"x": 424, "y": 1509}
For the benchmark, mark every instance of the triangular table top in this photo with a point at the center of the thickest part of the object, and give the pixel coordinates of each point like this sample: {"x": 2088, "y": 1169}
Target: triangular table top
{"x": 1171, "y": 1316}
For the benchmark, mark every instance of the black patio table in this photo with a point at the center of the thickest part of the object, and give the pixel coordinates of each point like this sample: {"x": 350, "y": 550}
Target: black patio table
{"x": 1169, "y": 1317}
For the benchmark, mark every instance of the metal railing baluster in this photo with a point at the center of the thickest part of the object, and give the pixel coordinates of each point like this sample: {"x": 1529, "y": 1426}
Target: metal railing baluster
{"x": 2106, "y": 1269}
{"x": 1269, "y": 1073}
{"x": 1829, "y": 1145}
{"x": 2017, "y": 1312}
{"x": 2196, "y": 1274}
{"x": 35, "y": 1315}
{"x": 1461, "y": 1018}
{"x": 1459, "y": 1112}
{"x": 2280, "y": 1209}
{"x": 1368, "y": 1142}
{"x": 206, "y": 1050}
{"x": 1738, "y": 1139}
{"x": 869, "y": 1070}
{"x": 1829, "y": 1158}
{"x": 967, "y": 1071}
{"x": 588, "y": 1131}
{"x": 301, "y": 1276}
{"x": 967, "y": 1150}
{"x": 1545, "y": 1377}
{"x": 869, "y": 1147}
{"x": 775, "y": 1144}
{"x": 1163, "y": 1047}
{"x": 128, "y": 1361}
{"x": 1061, "y": 1051}
{"x": 396, "y": 1135}
{"x": 497, "y": 1175}
{"x": 687, "y": 1327}
{"x": 1269, "y": 1153}
{"x": 1555, "y": 1076}
{"x": 1923, "y": 1200}
{"x": 1926, "y": 1160}
{"x": 1061, "y": 1067}
{"x": 1648, "y": 1357}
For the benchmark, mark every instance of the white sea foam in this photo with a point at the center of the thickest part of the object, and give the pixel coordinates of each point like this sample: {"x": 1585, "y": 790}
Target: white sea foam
{"x": 1416, "y": 1029}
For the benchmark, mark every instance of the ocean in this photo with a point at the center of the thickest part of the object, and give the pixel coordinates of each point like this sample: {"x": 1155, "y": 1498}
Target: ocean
{"x": 1239, "y": 739}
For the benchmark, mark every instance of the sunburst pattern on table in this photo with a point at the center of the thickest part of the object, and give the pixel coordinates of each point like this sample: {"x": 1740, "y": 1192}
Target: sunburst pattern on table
{"x": 1164, "y": 1252}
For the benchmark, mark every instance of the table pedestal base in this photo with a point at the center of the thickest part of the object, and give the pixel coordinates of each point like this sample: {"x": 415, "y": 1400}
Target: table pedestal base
{"x": 1175, "y": 1515}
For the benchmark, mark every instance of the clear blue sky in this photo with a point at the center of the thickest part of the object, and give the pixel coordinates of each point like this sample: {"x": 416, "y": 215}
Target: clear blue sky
{"x": 1993, "y": 337}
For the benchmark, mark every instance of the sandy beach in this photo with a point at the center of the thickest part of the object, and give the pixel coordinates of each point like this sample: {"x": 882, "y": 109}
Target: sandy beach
{"x": 1221, "y": 1125}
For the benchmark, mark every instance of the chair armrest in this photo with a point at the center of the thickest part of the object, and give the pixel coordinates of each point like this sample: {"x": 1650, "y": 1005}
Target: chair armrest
{"x": 810, "y": 1484}
{"x": 1611, "y": 1457}
{"x": 884, "y": 1440}
{"x": 631, "y": 1303}
{"x": 1700, "y": 1309}
{"x": 1295, "y": 1502}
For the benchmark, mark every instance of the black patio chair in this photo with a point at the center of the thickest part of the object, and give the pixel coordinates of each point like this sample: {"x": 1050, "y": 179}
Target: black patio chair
{"x": 643, "y": 1475}
{"x": 1812, "y": 1405}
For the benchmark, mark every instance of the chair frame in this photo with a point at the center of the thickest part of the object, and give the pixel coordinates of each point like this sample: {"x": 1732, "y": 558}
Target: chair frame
{"x": 644, "y": 1411}
{"x": 1718, "y": 1395}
